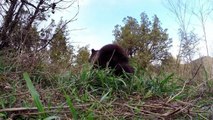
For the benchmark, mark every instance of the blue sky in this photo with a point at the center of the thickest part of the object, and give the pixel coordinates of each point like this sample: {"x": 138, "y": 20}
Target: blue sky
{"x": 97, "y": 19}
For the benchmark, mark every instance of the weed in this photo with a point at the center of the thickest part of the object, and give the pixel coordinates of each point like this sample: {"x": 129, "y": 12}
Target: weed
{"x": 99, "y": 94}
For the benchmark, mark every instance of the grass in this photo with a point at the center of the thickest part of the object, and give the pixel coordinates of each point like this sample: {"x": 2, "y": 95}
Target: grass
{"x": 98, "y": 94}
{"x": 33, "y": 93}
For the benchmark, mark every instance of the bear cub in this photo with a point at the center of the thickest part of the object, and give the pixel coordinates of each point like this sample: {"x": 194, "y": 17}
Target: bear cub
{"x": 111, "y": 56}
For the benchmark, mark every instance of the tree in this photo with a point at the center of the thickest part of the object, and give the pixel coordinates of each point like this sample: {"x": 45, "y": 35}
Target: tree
{"x": 146, "y": 42}
{"x": 20, "y": 18}
{"x": 82, "y": 55}
{"x": 169, "y": 63}
{"x": 183, "y": 11}
{"x": 189, "y": 42}
{"x": 60, "y": 51}
{"x": 126, "y": 36}
{"x": 203, "y": 12}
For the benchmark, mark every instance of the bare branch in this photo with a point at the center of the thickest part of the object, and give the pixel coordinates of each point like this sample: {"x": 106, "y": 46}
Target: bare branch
{"x": 7, "y": 21}
{"x": 37, "y": 10}
{"x": 30, "y": 4}
{"x": 71, "y": 20}
{"x": 25, "y": 13}
{"x": 204, "y": 11}
{"x": 15, "y": 21}
{"x": 67, "y": 5}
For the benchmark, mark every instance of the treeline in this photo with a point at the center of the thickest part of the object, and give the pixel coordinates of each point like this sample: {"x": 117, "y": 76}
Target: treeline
{"x": 24, "y": 42}
{"x": 31, "y": 46}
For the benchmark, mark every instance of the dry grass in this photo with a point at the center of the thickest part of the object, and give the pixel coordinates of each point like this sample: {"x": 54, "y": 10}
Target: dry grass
{"x": 97, "y": 94}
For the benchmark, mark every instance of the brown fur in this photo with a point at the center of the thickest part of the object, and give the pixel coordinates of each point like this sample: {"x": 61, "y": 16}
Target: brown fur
{"x": 112, "y": 56}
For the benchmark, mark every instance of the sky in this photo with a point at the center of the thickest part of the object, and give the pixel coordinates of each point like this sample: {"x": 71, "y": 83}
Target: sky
{"x": 96, "y": 20}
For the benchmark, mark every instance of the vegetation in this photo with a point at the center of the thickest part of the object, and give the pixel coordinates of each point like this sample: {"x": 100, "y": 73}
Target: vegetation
{"x": 146, "y": 42}
{"x": 42, "y": 76}
{"x": 98, "y": 94}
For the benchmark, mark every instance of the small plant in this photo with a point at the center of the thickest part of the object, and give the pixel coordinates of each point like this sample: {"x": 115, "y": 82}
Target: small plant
{"x": 72, "y": 109}
{"x": 161, "y": 85}
{"x": 34, "y": 94}
{"x": 99, "y": 94}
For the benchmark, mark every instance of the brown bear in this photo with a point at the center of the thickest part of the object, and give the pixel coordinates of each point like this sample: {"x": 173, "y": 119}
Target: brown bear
{"x": 111, "y": 56}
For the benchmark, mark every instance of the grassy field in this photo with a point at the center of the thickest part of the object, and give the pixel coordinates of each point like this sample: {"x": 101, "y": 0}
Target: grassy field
{"x": 98, "y": 94}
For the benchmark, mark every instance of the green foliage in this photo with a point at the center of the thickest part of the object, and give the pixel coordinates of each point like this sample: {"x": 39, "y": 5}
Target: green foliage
{"x": 52, "y": 118}
{"x": 72, "y": 109}
{"x": 34, "y": 93}
{"x": 146, "y": 42}
{"x": 92, "y": 93}
{"x": 105, "y": 82}
{"x": 20, "y": 24}
{"x": 60, "y": 52}
{"x": 82, "y": 55}
{"x": 160, "y": 86}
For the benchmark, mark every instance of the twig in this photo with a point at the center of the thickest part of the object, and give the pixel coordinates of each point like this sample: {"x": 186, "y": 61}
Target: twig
{"x": 171, "y": 113}
{"x": 35, "y": 108}
{"x": 184, "y": 103}
{"x": 170, "y": 99}
{"x": 15, "y": 94}
{"x": 156, "y": 106}
{"x": 144, "y": 111}
{"x": 196, "y": 72}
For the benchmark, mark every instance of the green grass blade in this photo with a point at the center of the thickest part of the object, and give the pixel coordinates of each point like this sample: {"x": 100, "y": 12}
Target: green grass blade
{"x": 33, "y": 92}
{"x": 166, "y": 80}
{"x": 72, "y": 109}
{"x": 105, "y": 96}
{"x": 52, "y": 118}
{"x": 90, "y": 116}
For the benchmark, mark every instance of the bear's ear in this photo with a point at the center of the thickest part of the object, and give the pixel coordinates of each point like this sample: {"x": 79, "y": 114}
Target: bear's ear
{"x": 93, "y": 50}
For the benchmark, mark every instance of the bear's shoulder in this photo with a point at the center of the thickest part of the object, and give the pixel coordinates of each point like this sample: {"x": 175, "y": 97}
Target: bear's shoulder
{"x": 111, "y": 55}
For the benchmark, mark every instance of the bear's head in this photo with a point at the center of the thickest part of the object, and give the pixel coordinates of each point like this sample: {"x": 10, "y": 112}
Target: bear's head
{"x": 94, "y": 56}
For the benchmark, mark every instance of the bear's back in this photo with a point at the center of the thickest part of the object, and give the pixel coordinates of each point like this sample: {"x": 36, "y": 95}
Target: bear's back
{"x": 113, "y": 54}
